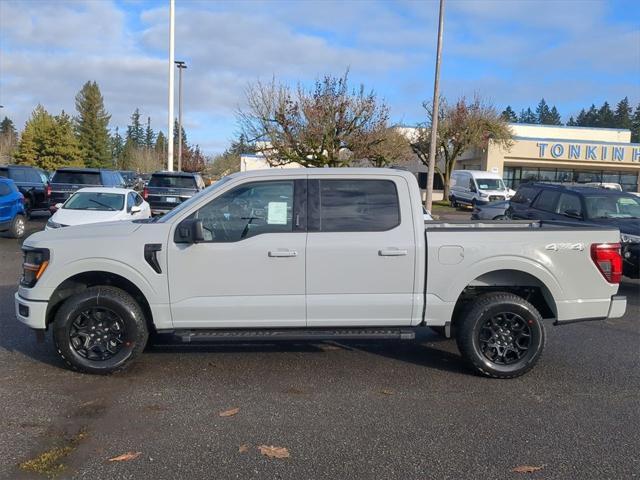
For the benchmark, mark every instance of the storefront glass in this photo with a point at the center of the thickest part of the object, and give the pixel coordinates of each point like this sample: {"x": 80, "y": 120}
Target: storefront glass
{"x": 514, "y": 176}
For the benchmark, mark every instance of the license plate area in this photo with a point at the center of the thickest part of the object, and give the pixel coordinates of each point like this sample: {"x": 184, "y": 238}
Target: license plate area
{"x": 171, "y": 199}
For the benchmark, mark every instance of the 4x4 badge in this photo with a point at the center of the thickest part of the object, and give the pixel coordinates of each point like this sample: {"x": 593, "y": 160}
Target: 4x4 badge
{"x": 565, "y": 246}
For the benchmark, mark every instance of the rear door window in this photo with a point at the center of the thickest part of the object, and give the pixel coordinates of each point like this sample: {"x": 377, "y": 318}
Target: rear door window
{"x": 569, "y": 203}
{"x": 5, "y": 189}
{"x": 19, "y": 175}
{"x": 358, "y": 205}
{"x": 172, "y": 181}
{"x": 547, "y": 201}
{"x": 76, "y": 177}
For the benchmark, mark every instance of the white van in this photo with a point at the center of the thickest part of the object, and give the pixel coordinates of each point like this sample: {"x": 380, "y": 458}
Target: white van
{"x": 471, "y": 187}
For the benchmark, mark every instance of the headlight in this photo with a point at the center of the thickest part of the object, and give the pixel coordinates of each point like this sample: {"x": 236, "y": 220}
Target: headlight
{"x": 626, "y": 238}
{"x": 52, "y": 224}
{"x": 482, "y": 194}
{"x": 35, "y": 263}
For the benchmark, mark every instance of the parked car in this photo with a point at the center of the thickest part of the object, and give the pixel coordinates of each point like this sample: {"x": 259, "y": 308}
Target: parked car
{"x": 585, "y": 205}
{"x": 473, "y": 187}
{"x": 66, "y": 181}
{"x": 310, "y": 254}
{"x": 12, "y": 213}
{"x": 130, "y": 178}
{"x": 491, "y": 211}
{"x": 99, "y": 204}
{"x": 167, "y": 190}
{"x": 33, "y": 184}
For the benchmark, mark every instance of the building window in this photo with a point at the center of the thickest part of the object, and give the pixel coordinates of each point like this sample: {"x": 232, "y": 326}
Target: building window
{"x": 514, "y": 176}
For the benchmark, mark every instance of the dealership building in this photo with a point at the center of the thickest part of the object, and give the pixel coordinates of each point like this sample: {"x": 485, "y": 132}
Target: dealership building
{"x": 540, "y": 153}
{"x": 561, "y": 154}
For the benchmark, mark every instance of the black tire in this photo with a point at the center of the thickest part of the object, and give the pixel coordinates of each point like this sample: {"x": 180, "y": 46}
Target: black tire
{"x": 104, "y": 308}
{"x": 521, "y": 344}
{"x": 499, "y": 217}
{"x": 453, "y": 201}
{"x": 28, "y": 206}
{"x": 18, "y": 227}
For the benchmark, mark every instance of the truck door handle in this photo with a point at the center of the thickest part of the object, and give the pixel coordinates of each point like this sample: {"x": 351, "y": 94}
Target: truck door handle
{"x": 283, "y": 253}
{"x": 392, "y": 252}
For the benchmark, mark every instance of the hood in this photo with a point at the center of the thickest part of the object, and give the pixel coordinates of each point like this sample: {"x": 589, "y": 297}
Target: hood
{"x": 80, "y": 217}
{"x": 630, "y": 226}
{"x": 102, "y": 231}
{"x": 502, "y": 193}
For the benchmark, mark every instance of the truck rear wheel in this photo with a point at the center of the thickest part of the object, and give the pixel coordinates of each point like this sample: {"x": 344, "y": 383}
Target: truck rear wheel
{"x": 501, "y": 335}
{"x": 100, "y": 330}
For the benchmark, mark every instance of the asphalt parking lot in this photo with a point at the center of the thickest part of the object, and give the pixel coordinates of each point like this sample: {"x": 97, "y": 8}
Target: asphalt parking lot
{"x": 348, "y": 410}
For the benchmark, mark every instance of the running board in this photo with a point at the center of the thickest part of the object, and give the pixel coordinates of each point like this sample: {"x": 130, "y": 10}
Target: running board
{"x": 288, "y": 335}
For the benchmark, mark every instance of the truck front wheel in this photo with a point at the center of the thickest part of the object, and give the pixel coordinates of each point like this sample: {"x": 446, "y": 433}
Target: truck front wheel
{"x": 100, "y": 330}
{"x": 501, "y": 335}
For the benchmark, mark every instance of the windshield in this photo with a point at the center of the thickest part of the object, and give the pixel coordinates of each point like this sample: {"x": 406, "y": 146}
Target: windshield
{"x": 169, "y": 181}
{"x": 612, "y": 206}
{"x": 490, "y": 184}
{"x": 83, "y": 178}
{"x": 104, "y": 202}
{"x": 187, "y": 203}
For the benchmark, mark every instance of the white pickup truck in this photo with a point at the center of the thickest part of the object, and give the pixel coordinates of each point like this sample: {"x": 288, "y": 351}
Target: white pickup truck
{"x": 314, "y": 254}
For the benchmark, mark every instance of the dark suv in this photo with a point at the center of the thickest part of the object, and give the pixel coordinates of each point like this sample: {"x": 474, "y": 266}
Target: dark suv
{"x": 167, "y": 190}
{"x": 66, "y": 181}
{"x": 582, "y": 205}
{"x": 32, "y": 183}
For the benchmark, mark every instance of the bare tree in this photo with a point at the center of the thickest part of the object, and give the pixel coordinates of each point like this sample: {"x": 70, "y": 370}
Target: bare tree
{"x": 329, "y": 125}
{"x": 461, "y": 126}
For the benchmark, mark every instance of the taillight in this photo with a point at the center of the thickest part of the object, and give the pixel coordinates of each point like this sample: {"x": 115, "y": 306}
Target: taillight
{"x": 48, "y": 191}
{"x": 145, "y": 193}
{"x": 608, "y": 259}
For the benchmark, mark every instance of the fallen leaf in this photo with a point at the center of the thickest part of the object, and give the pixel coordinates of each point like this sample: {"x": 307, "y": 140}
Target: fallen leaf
{"x": 229, "y": 413}
{"x": 386, "y": 392}
{"x": 243, "y": 448}
{"x": 527, "y": 469}
{"x": 273, "y": 452}
{"x": 125, "y": 457}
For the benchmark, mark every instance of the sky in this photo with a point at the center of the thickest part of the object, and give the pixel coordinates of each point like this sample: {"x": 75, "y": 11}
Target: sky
{"x": 511, "y": 52}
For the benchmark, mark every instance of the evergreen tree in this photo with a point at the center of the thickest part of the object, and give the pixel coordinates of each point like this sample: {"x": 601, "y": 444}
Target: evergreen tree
{"x": 622, "y": 115}
{"x": 117, "y": 147}
{"x": 509, "y": 115}
{"x": 527, "y": 116}
{"x": 135, "y": 132}
{"x": 149, "y": 135}
{"x": 571, "y": 122}
{"x": 635, "y": 125}
{"x": 605, "y": 116}
{"x": 591, "y": 117}
{"x": 91, "y": 126}
{"x": 554, "y": 117}
{"x": 175, "y": 135}
{"x": 49, "y": 142}
{"x": 581, "y": 119}
{"x": 8, "y": 139}
{"x": 543, "y": 114}
{"x": 161, "y": 144}
{"x": 240, "y": 146}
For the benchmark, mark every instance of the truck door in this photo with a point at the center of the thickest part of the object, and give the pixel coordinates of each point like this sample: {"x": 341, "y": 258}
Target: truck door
{"x": 250, "y": 270}
{"x": 360, "y": 252}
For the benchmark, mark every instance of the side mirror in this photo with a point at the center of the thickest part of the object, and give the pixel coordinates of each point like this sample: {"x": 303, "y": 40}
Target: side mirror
{"x": 189, "y": 231}
{"x": 58, "y": 206}
{"x": 572, "y": 213}
{"x": 136, "y": 209}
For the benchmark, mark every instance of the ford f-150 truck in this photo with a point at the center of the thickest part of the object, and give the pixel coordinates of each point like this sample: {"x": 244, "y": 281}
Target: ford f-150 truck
{"x": 315, "y": 254}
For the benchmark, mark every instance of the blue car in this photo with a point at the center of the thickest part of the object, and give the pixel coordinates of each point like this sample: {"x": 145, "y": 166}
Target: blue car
{"x": 12, "y": 214}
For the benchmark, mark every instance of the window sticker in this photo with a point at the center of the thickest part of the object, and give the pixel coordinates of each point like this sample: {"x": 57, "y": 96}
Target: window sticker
{"x": 277, "y": 213}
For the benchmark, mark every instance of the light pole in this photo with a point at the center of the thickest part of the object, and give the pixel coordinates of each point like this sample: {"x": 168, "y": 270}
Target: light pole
{"x": 181, "y": 66}
{"x": 434, "y": 114}
{"x": 172, "y": 8}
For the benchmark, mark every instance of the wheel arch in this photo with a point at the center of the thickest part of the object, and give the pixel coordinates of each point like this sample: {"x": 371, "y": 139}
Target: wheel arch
{"x": 81, "y": 281}
{"x": 523, "y": 284}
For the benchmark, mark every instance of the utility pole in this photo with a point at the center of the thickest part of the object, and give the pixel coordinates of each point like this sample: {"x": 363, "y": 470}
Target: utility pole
{"x": 181, "y": 66}
{"x": 434, "y": 115}
{"x": 172, "y": 7}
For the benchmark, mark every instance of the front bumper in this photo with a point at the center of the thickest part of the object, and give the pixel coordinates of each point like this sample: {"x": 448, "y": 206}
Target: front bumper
{"x": 32, "y": 313}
